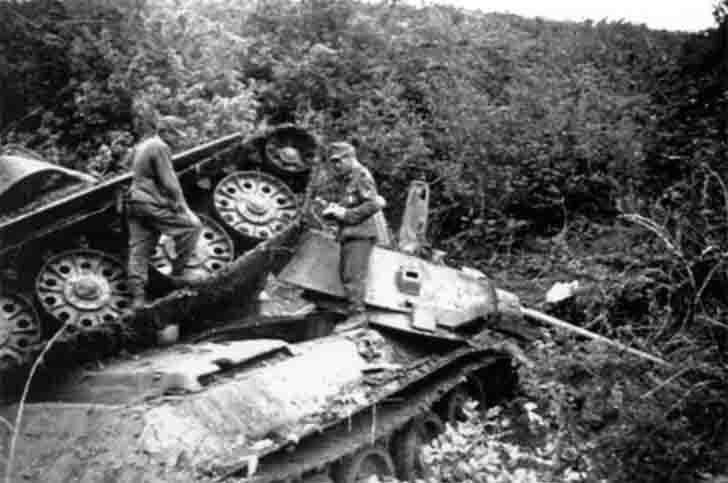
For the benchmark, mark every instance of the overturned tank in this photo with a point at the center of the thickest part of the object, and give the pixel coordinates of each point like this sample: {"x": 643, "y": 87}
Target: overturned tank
{"x": 303, "y": 397}
{"x": 63, "y": 241}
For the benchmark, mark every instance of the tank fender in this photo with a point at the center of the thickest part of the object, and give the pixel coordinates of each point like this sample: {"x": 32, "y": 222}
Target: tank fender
{"x": 23, "y": 178}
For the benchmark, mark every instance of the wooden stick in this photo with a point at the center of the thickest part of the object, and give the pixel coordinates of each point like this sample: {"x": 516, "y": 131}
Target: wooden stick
{"x": 553, "y": 321}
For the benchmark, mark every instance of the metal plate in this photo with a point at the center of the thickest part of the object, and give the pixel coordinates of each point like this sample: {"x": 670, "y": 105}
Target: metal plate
{"x": 450, "y": 296}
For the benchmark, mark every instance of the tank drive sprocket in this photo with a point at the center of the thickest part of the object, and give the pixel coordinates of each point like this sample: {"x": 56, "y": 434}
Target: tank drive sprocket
{"x": 256, "y": 205}
{"x": 213, "y": 252}
{"x": 20, "y": 328}
{"x": 83, "y": 288}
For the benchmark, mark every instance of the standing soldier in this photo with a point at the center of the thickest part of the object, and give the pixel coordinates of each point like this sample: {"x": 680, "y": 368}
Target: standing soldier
{"x": 357, "y": 226}
{"x": 155, "y": 206}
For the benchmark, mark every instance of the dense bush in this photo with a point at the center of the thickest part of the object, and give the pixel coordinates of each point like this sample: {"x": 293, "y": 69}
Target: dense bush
{"x": 599, "y": 147}
{"x": 515, "y": 122}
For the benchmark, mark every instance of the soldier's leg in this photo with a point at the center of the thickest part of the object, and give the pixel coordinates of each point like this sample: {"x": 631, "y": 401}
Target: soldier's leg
{"x": 185, "y": 233}
{"x": 142, "y": 242}
{"x": 354, "y": 269}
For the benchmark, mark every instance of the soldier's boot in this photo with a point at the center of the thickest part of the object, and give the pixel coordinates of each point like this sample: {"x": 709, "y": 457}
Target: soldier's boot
{"x": 185, "y": 242}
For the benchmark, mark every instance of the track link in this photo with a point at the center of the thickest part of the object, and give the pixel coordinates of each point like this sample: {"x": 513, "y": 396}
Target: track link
{"x": 376, "y": 423}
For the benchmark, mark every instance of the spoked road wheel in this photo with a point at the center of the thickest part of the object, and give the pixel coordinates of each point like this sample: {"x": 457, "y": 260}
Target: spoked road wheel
{"x": 364, "y": 464}
{"x": 214, "y": 251}
{"x": 256, "y": 205}
{"x": 408, "y": 443}
{"x": 19, "y": 328}
{"x": 83, "y": 288}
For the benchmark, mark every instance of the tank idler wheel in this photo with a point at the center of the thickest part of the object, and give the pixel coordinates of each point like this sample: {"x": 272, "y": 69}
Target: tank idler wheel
{"x": 362, "y": 465}
{"x": 214, "y": 251}
{"x": 290, "y": 151}
{"x": 19, "y": 329}
{"x": 255, "y": 205}
{"x": 83, "y": 288}
{"x": 407, "y": 445}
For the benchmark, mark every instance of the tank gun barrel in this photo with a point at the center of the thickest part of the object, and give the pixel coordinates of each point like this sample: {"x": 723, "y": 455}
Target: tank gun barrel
{"x": 538, "y": 316}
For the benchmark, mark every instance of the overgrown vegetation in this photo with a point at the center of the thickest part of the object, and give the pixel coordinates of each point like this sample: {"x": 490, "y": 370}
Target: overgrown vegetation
{"x": 555, "y": 151}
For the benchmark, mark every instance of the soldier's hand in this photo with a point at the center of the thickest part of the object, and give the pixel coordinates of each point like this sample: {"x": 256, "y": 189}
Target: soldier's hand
{"x": 334, "y": 210}
{"x": 381, "y": 202}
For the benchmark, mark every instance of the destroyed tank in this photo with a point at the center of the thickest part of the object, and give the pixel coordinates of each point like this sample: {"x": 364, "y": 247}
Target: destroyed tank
{"x": 308, "y": 397}
{"x": 63, "y": 240}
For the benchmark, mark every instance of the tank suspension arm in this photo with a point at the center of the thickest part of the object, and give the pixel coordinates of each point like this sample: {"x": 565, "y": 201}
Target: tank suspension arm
{"x": 554, "y": 322}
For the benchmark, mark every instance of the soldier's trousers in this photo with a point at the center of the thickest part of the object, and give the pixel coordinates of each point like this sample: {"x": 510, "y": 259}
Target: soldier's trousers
{"x": 146, "y": 222}
{"x": 354, "y": 269}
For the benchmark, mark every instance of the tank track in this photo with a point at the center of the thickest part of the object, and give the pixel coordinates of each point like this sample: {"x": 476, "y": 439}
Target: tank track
{"x": 376, "y": 423}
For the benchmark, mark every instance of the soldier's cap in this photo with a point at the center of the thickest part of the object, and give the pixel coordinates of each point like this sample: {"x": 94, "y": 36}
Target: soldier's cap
{"x": 341, "y": 150}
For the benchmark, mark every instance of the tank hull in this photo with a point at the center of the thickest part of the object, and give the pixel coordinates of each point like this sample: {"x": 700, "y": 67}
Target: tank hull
{"x": 271, "y": 399}
{"x": 204, "y": 412}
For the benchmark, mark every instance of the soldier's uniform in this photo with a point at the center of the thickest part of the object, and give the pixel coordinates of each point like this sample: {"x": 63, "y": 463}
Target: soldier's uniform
{"x": 357, "y": 228}
{"x": 156, "y": 205}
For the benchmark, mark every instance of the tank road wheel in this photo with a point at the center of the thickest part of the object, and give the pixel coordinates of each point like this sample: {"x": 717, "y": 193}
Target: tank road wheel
{"x": 407, "y": 446}
{"x": 19, "y": 329}
{"x": 362, "y": 465}
{"x": 213, "y": 252}
{"x": 256, "y": 205}
{"x": 290, "y": 151}
{"x": 83, "y": 288}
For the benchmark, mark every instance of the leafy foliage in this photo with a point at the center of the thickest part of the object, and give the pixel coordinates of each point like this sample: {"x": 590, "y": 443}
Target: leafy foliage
{"x": 585, "y": 150}
{"x": 113, "y": 67}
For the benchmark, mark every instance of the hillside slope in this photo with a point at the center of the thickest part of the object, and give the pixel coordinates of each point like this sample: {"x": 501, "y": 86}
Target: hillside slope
{"x": 555, "y": 152}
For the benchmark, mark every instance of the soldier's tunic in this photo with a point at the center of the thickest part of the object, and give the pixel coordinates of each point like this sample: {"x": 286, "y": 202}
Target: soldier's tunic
{"x": 357, "y": 233}
{"x": 156, "y": 205}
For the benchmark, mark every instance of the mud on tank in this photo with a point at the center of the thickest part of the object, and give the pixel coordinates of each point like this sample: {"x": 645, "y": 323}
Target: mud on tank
{"x": 287, "y": 398}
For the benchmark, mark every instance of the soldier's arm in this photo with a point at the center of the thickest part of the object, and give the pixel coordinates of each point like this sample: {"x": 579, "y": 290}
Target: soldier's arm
{"x": 167, "y": 178}
{"x": 371, "y": 203}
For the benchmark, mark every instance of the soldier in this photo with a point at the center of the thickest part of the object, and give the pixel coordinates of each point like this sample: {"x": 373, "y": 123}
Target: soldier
{"x": 155, "y": 206}
{"x": 357, "y": 226}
